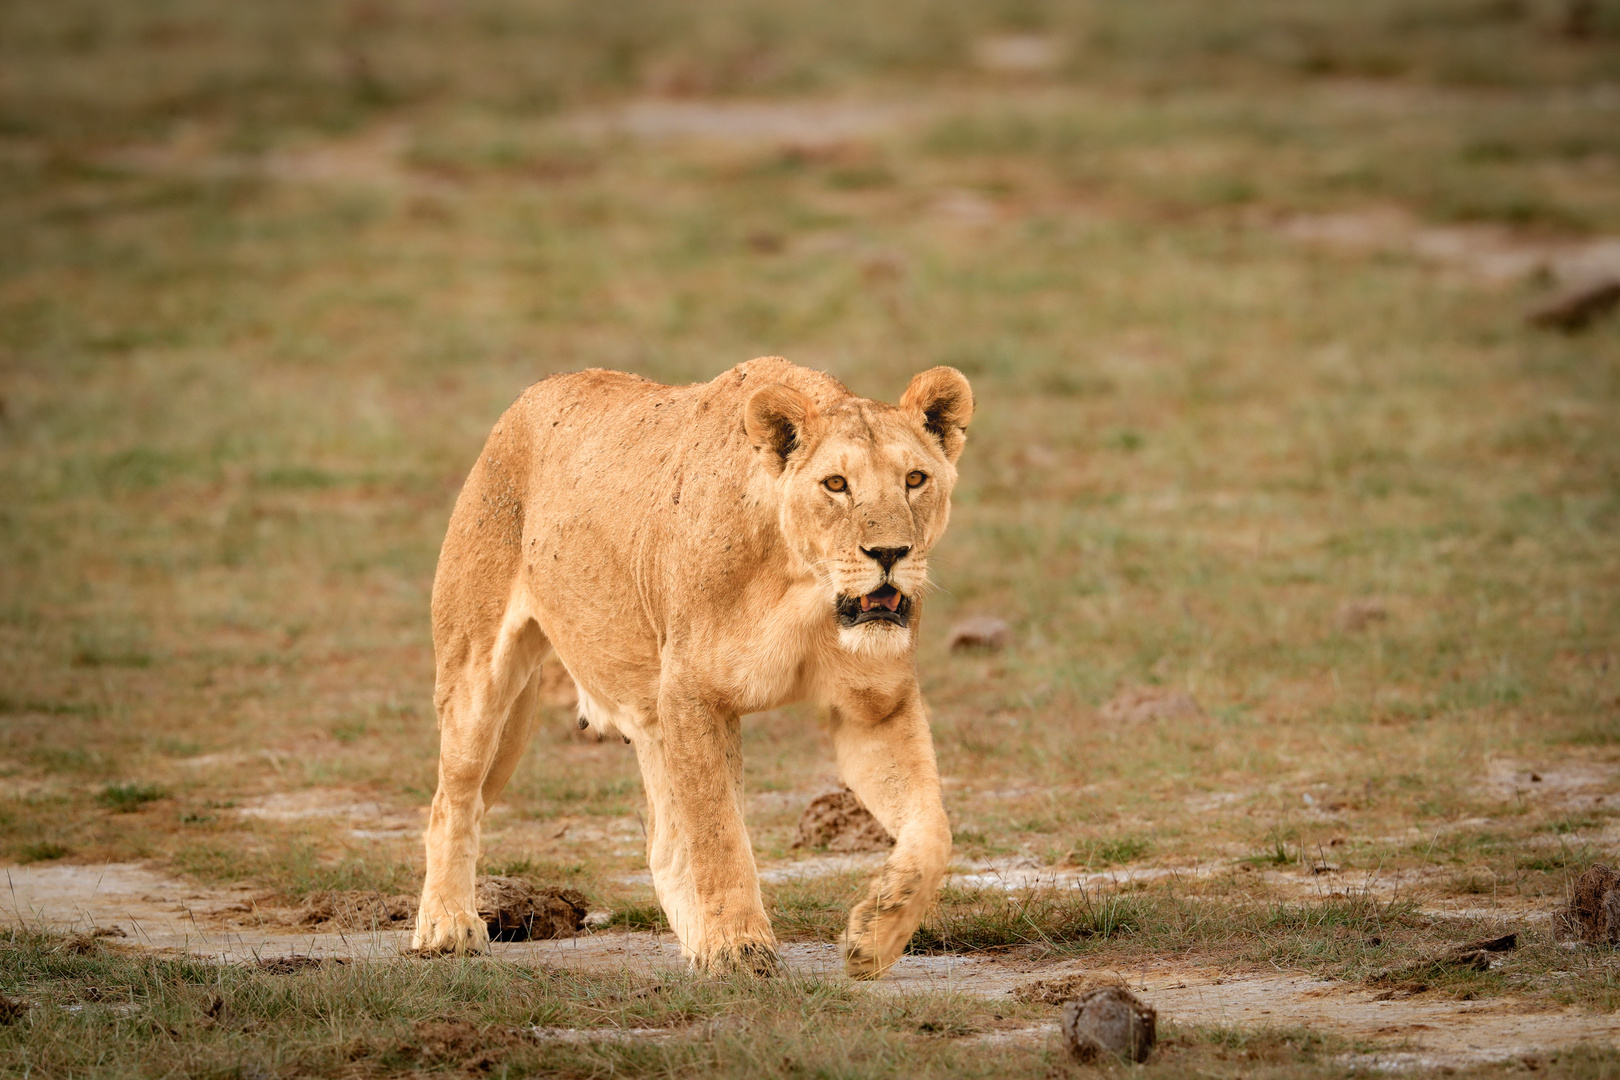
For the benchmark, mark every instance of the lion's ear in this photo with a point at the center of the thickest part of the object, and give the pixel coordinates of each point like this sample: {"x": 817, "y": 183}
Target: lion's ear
{"x": 775, "y": 419}
{"x": 941, "y": 400}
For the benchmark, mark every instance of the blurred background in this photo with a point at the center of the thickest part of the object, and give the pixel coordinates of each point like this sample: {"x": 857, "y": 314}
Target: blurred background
{"x": 1300, "y": 529}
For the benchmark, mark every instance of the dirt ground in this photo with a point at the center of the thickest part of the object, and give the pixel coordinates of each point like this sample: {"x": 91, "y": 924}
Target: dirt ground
{"x": 141, "y": 908}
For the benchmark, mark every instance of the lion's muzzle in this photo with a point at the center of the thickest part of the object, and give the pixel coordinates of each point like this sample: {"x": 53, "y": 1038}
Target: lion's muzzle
{"x": 883, "y": 604}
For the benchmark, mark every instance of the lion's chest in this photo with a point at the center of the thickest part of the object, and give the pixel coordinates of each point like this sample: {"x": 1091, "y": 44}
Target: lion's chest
{"x": 771, "y": 661}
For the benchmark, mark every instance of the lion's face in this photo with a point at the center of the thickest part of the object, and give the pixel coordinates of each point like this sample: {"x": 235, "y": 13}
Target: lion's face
{"x": 866, "y": 493}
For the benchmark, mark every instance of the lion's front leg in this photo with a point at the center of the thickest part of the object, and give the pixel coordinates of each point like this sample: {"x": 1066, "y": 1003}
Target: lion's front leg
{"x": 697, "y": 844}
{"x": 888, "y": 761}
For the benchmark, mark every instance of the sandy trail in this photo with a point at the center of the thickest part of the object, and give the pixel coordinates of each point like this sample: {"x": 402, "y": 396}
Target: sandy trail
{"x": 151, "y": 910}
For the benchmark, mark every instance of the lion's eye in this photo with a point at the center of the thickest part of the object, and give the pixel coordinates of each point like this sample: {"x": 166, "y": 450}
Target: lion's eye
{"x": 835, "y": 483}
{"x": 915, "y": 478}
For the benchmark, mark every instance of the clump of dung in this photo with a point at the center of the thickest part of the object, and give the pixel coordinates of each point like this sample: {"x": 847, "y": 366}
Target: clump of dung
{"x": 1061, "y": 988}
{"x": 1354, "y": 616}
{"x": 1109, "y": 1021}
{"x": 1593, "y": 914}
{"x": 511, "y": 908}
{"x": 356, "y": 909}
{"x": 838, "y": 822}
{"x": 514, "y": 910}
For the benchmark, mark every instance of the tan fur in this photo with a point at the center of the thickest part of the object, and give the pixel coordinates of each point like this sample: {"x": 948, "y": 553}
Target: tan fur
{"x": 679, "y": 550}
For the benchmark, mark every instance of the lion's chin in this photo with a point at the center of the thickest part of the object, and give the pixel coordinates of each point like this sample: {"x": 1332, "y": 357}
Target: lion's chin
{"x": 875, "y": 639}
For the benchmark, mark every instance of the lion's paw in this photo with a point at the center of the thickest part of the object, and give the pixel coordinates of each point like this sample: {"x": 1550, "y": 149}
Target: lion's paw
{"x": 450, "y": 932}
{"x": 862, "y": 960}
{"x": 756, "y": 959}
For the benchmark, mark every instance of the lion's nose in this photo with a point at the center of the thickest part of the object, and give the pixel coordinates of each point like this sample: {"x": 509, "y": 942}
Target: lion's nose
{"x": 887, "y": 557}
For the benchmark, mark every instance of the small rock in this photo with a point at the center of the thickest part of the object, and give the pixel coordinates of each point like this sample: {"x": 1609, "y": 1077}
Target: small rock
{"x": 1139, "y": 704}
{"x": 1109, "y": 1021}
{"x": 1593, "y": 914}
{"x": 765, "y": 243}
{"x": 838, "y": 822}
{"x": 1505, "y": 943}
{"x": 1578, "y": 306}
{"x": 1355, "y": 616}
{"x": 980, "y": 632}
{"x": 514, "y": 910}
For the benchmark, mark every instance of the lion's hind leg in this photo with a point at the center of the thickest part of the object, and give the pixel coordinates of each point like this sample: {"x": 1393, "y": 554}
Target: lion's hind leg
{"x": 486, "y": 701}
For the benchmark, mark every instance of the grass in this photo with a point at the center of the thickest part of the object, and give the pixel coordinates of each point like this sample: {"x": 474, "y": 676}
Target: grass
{"x": 267, "y": 277}
{"x": 94, "y": 1011}
{"x": 975, "y": 920}
{"x": 127, "y": 798}
{"x": 84, "y": 1008}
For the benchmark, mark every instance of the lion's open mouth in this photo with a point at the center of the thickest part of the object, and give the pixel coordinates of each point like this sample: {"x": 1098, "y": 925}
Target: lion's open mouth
{"x": 884, "y": 604}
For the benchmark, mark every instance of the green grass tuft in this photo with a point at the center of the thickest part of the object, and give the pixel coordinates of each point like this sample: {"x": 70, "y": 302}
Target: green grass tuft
{"x": 972, "y": 920}
{"x": 127, "y": 798}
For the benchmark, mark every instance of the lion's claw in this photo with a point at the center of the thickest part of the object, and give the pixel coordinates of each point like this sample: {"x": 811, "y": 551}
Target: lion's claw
{"x": 760, "y": 961}
{"x": 454, "y": 932}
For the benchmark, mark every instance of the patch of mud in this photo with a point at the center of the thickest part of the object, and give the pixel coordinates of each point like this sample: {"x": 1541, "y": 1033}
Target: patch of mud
{"x": 836, "y": 821}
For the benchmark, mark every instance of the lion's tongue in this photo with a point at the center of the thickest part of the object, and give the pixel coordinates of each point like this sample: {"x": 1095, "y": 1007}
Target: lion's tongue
{"x": 871, "y": 600}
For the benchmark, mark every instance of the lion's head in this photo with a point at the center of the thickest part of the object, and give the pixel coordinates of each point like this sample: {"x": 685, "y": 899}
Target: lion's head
{"x": 865, "y": 493}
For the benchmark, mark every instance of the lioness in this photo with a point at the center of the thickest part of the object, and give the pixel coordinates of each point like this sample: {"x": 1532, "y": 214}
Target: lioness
{"x": 692, "y": 554}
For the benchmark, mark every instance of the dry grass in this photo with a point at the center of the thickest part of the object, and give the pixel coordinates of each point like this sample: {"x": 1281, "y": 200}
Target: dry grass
{"x": 266, "y": 278}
